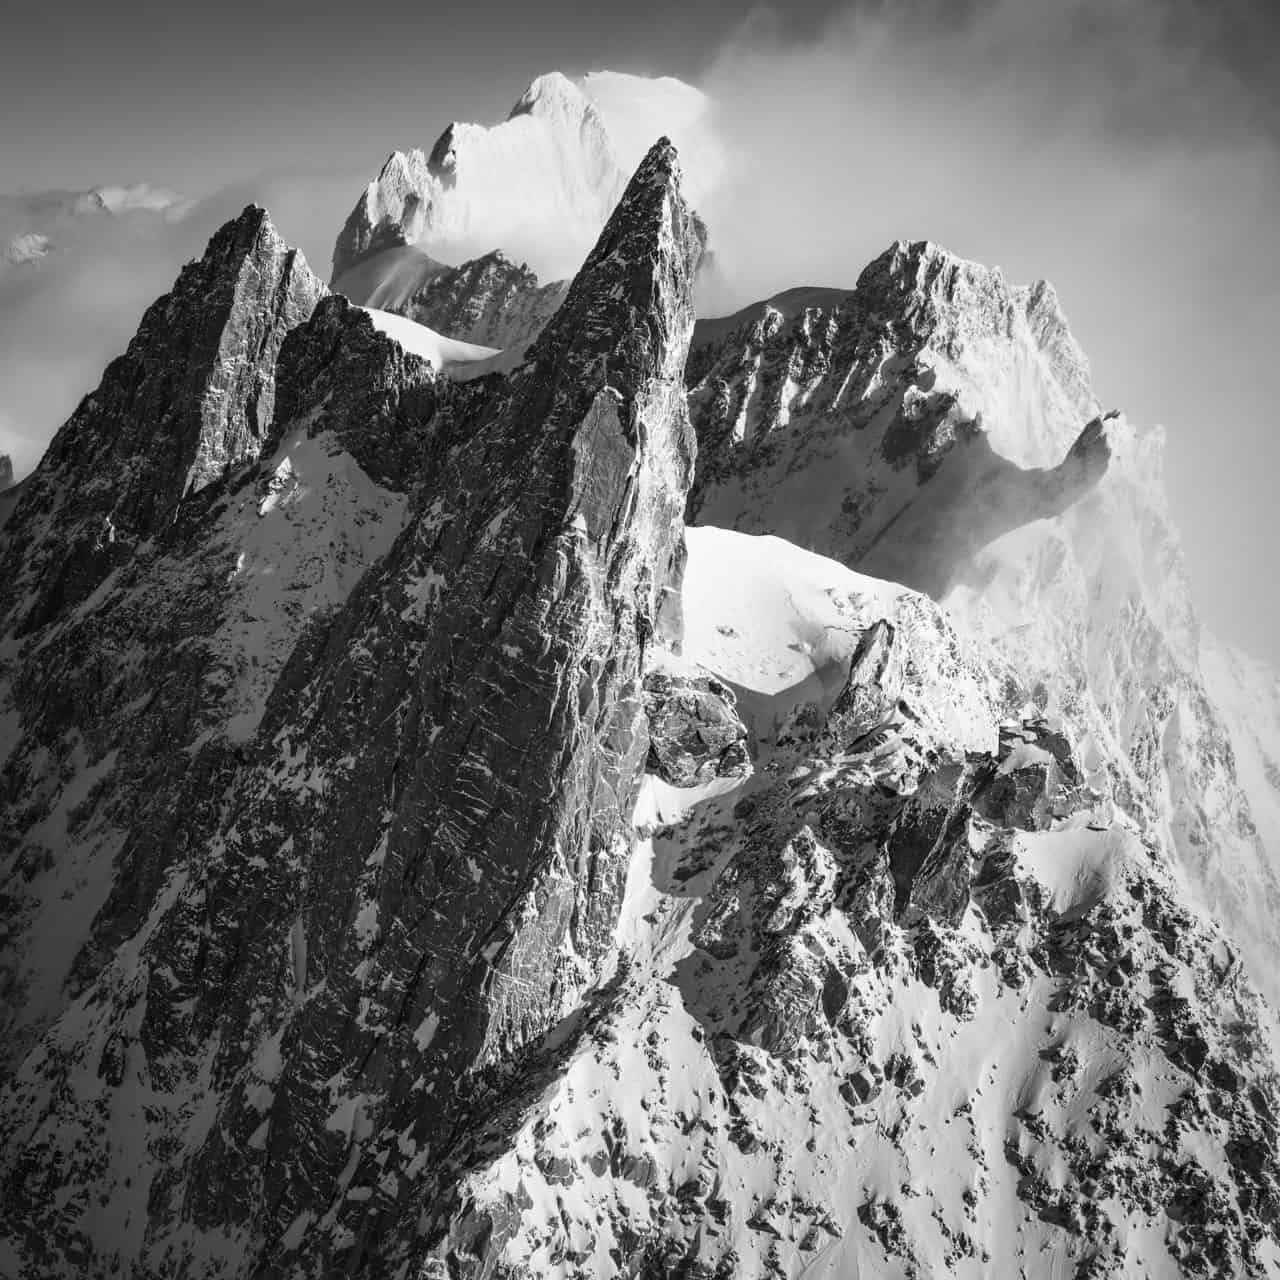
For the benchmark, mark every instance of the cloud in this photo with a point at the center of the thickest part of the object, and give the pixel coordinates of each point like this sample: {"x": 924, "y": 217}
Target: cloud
{"x": 996, "y": 128}
{"x": 64, "y": 316}
{"x": 1124, "y": 149}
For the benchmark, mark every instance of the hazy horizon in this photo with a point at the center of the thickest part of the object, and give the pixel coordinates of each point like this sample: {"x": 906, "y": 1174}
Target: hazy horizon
{"x": 1128, "y": 152}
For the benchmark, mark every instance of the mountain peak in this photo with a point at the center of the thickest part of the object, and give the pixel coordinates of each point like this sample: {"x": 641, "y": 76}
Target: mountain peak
{"x": 552, "y": 93}
{"x": 540, "y": 184}
{"x": 650, "y": 205}
{"x": 918, "y": 266}
{"x": 250, "y": 234}
{"x": 528, "y": 574}
{"x": 190, "y": 399}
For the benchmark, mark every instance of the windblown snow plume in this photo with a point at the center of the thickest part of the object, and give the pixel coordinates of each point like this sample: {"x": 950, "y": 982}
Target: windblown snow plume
{"x": 500, "y": 779}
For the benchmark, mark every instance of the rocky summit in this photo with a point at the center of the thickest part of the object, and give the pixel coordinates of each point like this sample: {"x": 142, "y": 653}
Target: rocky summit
{"x": 500, "y": 779}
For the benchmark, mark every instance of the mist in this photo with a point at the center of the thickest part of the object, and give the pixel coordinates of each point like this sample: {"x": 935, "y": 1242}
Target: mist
{"x": 62, "y": 319}
{"x": 1125, "y": 151}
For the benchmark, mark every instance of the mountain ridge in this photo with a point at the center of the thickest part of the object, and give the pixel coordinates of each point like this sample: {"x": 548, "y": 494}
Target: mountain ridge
{"x": 449, "y": 831}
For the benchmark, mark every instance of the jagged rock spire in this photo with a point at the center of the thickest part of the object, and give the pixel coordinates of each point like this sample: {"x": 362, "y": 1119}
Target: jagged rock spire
{"x": 453, "y": 883}
{"x": 190, "y": 399}
{"x": 510, "y": 622}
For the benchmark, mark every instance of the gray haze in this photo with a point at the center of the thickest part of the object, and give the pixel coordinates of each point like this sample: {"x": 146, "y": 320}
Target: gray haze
{"x": 1125, "y": 150}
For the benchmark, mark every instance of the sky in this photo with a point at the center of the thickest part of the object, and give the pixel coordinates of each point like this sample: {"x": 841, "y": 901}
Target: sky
{"x": 1127, "y": 150}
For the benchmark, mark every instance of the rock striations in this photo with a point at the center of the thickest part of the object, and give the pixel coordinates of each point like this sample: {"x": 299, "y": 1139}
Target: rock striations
{"x": 319, "y": 926}
{"x": 936, "y": 396}
{"x": 421, "y": 856}
{"x": 189, "y": 401}
{"x": 491, "y": 301}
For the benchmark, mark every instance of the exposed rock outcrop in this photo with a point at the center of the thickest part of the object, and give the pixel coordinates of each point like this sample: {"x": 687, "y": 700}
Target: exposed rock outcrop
{"x": 695, "y": 734}
{"x": 869, "y": 1028}
{"x": 935, "y": 426}
{"x": 190, "y": 400}
{"x": 387, "y": 879}
{"x": 490, "y": 301}
{"x": 902, "y": 425}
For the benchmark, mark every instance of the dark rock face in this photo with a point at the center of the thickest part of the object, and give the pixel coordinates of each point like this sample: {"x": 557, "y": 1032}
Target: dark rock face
{"x": 929, "y": 849}
{"x": 491, "y": 301}
{"x": 870, "y": 694}
{"x": 134, "y": 707}
{"x": 694, "y": 730}
{"x": 6, "y": 472}
{"x": 191, "y": 399}
{"x": 333, "y": 934}
{"x": 383, "y": 404}
{"x": 1035, "y": 780}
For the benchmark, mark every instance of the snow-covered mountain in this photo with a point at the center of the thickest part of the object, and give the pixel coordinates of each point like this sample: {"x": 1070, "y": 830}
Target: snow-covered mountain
{"x": 491, "y": 300}
{"x": 421, "y": 854}
{"x": 936, "y": 425}
{"x": 538, "y": 186}
{"x": 910, "y": 999}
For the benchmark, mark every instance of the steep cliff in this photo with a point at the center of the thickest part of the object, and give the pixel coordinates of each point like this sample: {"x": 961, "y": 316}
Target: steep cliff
{"x": 491, "y": 300}
{"x": 190, "y": 400}
{"x": 910, "y": 999}
{"x": 346, "y": 813}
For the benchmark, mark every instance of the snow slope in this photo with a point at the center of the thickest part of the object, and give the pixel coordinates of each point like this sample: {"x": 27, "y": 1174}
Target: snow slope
{"x": 539, "y": 185}
{"x": 937, "y": 425}
{"x": 442, "y": 353}
{"x": 999, "y": 1093}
